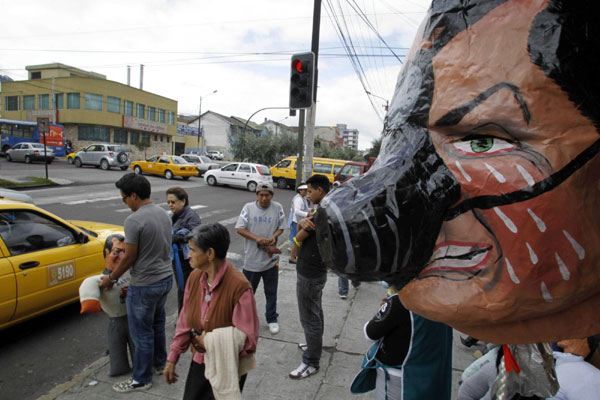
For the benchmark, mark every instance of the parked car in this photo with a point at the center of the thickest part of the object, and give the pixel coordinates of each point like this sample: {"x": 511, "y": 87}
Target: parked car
{"x": 44, "y": 259}
{"x": 215, "y": 155}
{"x": 7, "y": 194}
{"x": 352, "y": 169}
{"x": 239, "y": 174}
{"x": 29, "y": 152}
{"x": 167, "y": 166}
{"x": 202, "y": 162}
{"x": 103, "y": 155}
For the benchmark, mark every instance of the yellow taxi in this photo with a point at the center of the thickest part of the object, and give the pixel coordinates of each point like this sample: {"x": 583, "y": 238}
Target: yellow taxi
{"x": 167, "y": 166}
{"x": 44, "y": 259}
{"x": 71, "y": 157}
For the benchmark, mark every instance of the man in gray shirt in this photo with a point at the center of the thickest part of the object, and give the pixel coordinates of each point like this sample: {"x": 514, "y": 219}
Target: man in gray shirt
{"x": 260, "y": 223}
{"x": 147, "y": 255}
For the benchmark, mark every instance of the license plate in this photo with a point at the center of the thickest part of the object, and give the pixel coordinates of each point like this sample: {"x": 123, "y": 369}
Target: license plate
{"x": 60, "y": 273}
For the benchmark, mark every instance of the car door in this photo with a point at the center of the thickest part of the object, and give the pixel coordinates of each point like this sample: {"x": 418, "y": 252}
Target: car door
{"x": 48, "y": 261}
{"x": 162, "y": 165}
{"x": 15, "y": 154}
{"x": 86, "y": 155}
{"x": 227, "y": 174}
{"x": 242, "y": 176}
{"x": 8, "y": 286}
{"x": 95, "y": 153}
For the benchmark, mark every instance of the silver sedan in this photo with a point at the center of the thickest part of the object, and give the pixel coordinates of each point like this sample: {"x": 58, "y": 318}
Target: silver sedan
{"x": 29, "y": 152}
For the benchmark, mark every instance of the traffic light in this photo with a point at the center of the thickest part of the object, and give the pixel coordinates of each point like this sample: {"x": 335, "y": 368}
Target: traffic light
{"x": 302, "y": 80}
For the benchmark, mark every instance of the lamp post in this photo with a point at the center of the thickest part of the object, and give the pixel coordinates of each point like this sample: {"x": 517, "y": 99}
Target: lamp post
{"x": 379, "y": 97}
{"x": 200, "y": 124}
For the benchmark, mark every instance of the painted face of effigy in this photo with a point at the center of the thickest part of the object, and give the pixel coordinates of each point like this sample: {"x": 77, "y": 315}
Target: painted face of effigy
{"x": 482, "y": 203}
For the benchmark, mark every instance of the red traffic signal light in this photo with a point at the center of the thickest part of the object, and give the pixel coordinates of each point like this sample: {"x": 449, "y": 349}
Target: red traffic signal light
{"x": 302, "y": 80}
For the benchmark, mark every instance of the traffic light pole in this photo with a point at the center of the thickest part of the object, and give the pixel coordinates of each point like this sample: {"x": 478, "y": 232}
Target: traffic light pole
{"x": 300, "y": 147}
{"x": 312, "y": 111}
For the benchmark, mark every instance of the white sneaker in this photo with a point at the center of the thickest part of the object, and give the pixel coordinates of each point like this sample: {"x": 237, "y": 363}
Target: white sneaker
{"x": 274, "y": 328}
{"x": 303, "y": 371}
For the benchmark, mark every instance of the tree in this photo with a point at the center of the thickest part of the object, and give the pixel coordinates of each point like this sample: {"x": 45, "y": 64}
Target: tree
{"x": 375, "y": 148}
{"x": 142, "y": 145}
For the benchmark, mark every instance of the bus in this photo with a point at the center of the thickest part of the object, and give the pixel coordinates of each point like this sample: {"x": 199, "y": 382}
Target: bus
{"x": 13, "y": 132}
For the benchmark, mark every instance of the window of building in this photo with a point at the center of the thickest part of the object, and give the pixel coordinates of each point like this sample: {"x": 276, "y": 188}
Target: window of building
{"x": 134, "y": 137}
{"x": 120, "y": 136}
{"x": 93, "y": 102}
{"x": 59, "y": 101}
{"x": 128, "y": 107}
{"x": 151, "y": 113}
{"x": 113, "y": 104}
{"x": 93, "y": 132}
{"x": 29, "y": 102}
{"x": 140, "y": 111}
{"x": 73, "y": 101}
{"x": 155, "y": 138}
{"x": 161, "y": 115}
{"x": 146, "y": 138}
{"x": 36, "y": 75}
{"x": 161, "y": 138}
{"x": 168, "y": 139}
{"x": 11, "y": 103}
{"x": 43, "y": 101}
{"x": 171, "y": 117}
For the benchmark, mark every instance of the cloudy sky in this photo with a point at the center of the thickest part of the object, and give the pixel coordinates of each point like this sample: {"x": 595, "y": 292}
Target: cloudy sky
{"x": 240, "y": 48}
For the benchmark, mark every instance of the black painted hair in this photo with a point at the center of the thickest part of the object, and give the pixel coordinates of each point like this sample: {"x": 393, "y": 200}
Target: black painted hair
{"x": 108, "y": 243}
{"x": 179, "y": 193}
{"x": 319, "y": 181}
{"x": 563, "y": 42}
{"x": 211, "y": 236}
{"x": 134, "y": 183}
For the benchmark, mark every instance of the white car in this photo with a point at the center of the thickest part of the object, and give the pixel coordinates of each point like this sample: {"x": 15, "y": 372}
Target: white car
{"x": 215, "y": 154}
{"x": 202, "y": 162}
{"x": 239, "y": 174}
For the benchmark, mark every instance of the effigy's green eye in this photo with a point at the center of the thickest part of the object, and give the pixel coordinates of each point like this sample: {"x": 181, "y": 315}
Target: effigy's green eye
{"x": 482, "y": 145}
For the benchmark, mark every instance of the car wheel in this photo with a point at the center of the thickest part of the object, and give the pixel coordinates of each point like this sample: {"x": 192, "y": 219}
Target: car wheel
{"x": 104, "y": 165}
{"x": 282, "y": 183}
{"x": 168, "y": 174}
{"x": 28, "y": 159}
{"x": 185, "y": 178}
{"x": 252, "y": 186}
{"x": 211, "y": 180}
{"x": 8, "y": 158}
{"x": 123, "y": 168}
{"x": 122, "y": 157}
{"x": 137, "y": 170}
{"x": 78, "y": 162}
{"x": 70, "y": 160}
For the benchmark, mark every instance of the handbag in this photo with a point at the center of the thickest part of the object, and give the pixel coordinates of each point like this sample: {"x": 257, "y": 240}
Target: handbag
{"x": 366, "y": 378}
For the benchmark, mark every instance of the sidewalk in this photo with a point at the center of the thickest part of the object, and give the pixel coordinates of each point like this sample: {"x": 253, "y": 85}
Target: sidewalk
{"x": 344, "y": 346}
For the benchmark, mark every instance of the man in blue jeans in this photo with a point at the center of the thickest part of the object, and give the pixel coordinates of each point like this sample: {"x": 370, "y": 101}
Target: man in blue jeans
{"x": 147, "y": 254}
{"x": 311, "y": 279}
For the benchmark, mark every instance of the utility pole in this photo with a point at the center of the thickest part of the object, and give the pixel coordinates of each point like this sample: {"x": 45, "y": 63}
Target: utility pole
{"x": 300, "y": 147}
{"x": 312, "y": 111}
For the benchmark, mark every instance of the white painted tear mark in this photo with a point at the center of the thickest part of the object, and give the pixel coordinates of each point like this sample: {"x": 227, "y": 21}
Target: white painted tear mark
{"x": 528, "y": 178}
{"x": 540, "y": 224}
{"x": 546, "y": 293}
{"x": 496, "y": 174}
{"x": 532, "y": 256}
{"x": 462, "y": 171}
{"x": 576, "y": 246}
{"x": 511, "y": 272}
{"x": 564, "y": 271}
{"x": 509, "y": 224}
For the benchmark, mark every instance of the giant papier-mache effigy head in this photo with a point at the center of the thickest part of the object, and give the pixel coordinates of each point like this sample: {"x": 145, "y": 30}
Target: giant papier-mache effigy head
{"x": 482, "y": 205}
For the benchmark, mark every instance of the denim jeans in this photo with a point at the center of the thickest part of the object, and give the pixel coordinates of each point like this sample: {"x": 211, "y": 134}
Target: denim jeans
{"x": 270, "y": 279}
{"x": 310, "y": 308}
{"x": 343, "y": 286}
{"x": 146, "y": 315}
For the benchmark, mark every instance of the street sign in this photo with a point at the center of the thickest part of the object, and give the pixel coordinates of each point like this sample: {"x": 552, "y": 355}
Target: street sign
{"x": 43, "y": 125}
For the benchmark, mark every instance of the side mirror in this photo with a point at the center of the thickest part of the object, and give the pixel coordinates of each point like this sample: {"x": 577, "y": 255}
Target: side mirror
{"x": 82, "y": 238}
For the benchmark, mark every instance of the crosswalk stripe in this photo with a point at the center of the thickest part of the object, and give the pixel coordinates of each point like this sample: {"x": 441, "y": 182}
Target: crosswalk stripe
{"x": 92, "y": 200}
{"x": 229, "y": 221}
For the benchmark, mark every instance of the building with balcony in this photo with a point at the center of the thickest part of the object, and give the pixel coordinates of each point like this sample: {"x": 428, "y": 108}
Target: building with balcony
{"x": 349, "y": 136}
{"x": 92, "y": 108}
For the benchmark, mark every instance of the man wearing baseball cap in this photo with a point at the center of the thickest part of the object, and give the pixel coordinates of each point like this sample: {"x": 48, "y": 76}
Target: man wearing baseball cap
{"x": 260, "y": 223}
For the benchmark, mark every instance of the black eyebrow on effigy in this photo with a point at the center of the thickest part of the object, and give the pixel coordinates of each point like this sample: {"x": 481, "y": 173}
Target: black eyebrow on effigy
{"x": 454, "y": 116}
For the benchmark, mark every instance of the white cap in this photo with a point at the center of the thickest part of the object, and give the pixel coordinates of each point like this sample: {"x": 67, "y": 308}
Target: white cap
{"x": 303, "y": 187}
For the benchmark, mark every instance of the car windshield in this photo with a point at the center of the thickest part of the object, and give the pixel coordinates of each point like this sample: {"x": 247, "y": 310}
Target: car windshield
{"x": 178, "y": 160}
{"x": 263, "y": 170}
{"x": 205, "y": 159}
